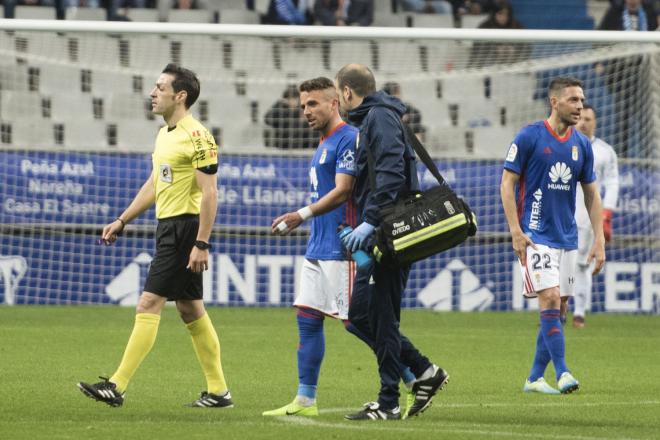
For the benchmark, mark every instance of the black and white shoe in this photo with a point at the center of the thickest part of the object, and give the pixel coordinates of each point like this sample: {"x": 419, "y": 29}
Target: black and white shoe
{"x": 105, "y": 392}
{"x": 208, "y": 400}
{"x": 372, "y": 411}
{"x": 424, "y": 390}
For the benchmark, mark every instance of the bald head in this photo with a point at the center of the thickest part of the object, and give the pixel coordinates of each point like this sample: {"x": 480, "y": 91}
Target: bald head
{"x": 358, "y": 78}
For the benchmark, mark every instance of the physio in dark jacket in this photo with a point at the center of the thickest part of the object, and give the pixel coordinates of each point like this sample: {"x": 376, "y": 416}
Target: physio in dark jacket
{"x": 375, "y": 308}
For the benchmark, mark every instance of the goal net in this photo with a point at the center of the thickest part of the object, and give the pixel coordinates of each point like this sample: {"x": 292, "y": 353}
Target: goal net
{"x": 76, "y": 134}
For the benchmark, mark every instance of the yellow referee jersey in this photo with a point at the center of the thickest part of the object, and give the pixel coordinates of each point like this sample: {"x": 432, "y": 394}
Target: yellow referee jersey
{"x": 177, "y": 155}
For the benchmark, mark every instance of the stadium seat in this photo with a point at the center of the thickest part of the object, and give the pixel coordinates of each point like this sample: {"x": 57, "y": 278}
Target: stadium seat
{"x": 344, "y": 52}
{"x": 418, "y": 90}
{"x": 38, "y": 47}
{"x": 305, "y": 61}
{"x": 261, "y": 54}
{"x": 14, "y": 77}
{"x": 383, "y": 6}
{"x": 35, "y": 12}
{"x": 233, "y": 116}
{"x": 108, "y": 82}
{"x": 129, "y": 106}
{"x": 219, "y": 5}
{"x": 239, "y": 16}
{"x": 32, "y": 133}
{"x": 57, "y": 78}
{"x": 190, "y": 16}
{"x": 265, "y": 94}
{"x": 455, "y": 88}
{"x": 491, "y": 142}
{"x": 445, "y": 56}
{"x": 149, "y": 15}
{"x": 472, "y": 21}
{"x": 20, "y": 105}
{"x": 479, "y": 112}
{"x": 503, "y": 85}
{"x": 399, "y": 57}
{"x": 447, "y": 142}
{"x": 94, "y": 50}
{"x": 136, "y": 136}
{"x": 62, "y": 103}
{"x": 388, "y": 19}
{"x": 91, "y": 135}
{"x": 195, "y": 51}
{"x": 149, "y": 52}
{"x": 433, "y": 20}
{"x": 91, "y": 14}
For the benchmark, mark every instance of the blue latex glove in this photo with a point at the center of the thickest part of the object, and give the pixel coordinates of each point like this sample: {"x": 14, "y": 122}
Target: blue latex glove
{"x": 356, "y": 239}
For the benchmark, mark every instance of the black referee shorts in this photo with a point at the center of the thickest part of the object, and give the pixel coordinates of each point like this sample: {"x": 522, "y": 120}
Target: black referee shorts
{"x": 168, "y": 276}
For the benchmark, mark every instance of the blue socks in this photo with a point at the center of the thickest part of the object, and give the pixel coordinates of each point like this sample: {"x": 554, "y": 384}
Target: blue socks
{"x": 553, "y": 335}
{"x": 311, "y": 349}
{"x": 541, "y": 359}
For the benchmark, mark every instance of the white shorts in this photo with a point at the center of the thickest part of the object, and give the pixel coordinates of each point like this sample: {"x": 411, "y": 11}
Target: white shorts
{"x": 585, "y": 242}
{"x": 548, "y": 267}
{"x": 326, "y": 285}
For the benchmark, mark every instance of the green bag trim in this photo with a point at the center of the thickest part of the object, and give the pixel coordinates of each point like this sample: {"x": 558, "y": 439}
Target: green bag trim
{"x": 429, "y": 232}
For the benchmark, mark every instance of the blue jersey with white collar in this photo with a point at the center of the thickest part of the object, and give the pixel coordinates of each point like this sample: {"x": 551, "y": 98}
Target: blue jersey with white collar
{"x": 335, "y": 154}
{"x": 550, "y": 168}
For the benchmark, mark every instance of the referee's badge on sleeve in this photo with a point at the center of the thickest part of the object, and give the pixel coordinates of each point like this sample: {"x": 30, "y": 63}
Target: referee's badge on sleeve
{"x": 165, "y": 173}
{"x": 513, "y": 151}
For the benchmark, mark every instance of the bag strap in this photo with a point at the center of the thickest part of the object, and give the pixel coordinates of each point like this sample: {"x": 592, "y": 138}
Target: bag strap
{"x": 423, "y": 154}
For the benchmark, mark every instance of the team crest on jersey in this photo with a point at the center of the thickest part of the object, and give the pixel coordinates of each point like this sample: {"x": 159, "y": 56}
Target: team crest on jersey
{"x": 513, "y": 151}
{"x": 165, "y": 173}
{"x": 324, "y": 154}
{"x": 574, "y": 153}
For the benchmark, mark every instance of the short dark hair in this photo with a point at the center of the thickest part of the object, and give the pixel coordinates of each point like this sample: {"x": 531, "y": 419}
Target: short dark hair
{"x": 291, "y": 91}
{"x": 358, "y": 78}
{"x": 320, "y": 83}
{"x": 184, "y": 79}
{"x": 590, "y": 107}
{"x": 561, "y": 82}
{"x": 391, "y": 87}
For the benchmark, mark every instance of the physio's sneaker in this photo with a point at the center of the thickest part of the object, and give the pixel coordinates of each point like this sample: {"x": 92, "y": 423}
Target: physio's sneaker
{"x": 105, "y": 392}
{"x": 539, "y": 386}
{"x": 208, "y": 400}
{"x": 424, "y": 390}
{"x": 567, "y": 383}
{"x": 578, "y": 321}
{"x": 409, "y": 394}
{"x": 293, "y": 409}
{"x": 372, "y": 411}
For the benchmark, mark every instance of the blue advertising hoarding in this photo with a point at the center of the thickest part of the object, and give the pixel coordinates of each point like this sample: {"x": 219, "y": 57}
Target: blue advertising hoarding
{"x": 68, "y": 189}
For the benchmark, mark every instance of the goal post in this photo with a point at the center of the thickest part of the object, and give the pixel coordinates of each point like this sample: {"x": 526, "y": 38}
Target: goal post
{"x": 76, "y": 134}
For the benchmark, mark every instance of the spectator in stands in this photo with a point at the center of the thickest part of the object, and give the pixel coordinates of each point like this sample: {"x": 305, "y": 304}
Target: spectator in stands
{"x": 289, "y": 12}
{"x": 626, "y": 77}
{"x": 476, "y": 7}
{"x": 412, "y": 117}
{"x": 185, "y": 4}
{"x": 290, "y": 128}
{"x": 114, "y": 6}
{"x": 426, "y": 6}
{"x": 501, "y": 52}
{"x": 335, "y": 12}
{"x": 10, "y": 5}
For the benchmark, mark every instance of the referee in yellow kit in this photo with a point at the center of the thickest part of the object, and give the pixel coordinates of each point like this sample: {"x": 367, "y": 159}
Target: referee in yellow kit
{"x": 183, "y": 184}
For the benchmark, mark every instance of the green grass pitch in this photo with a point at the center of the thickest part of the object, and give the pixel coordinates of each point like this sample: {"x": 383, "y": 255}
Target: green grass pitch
{"x": 46, "y": 350}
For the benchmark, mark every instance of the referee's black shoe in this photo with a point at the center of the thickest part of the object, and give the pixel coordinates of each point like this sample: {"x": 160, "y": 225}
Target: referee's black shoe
{"x": 208, "y": 400}
{"x": 372, "y": 411}
{"x": 424, "y": 390}
{"x": 105, "y": 392}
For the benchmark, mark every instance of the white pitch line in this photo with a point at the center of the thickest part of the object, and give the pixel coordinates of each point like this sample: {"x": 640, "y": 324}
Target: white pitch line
{"x": 369, "y": 425}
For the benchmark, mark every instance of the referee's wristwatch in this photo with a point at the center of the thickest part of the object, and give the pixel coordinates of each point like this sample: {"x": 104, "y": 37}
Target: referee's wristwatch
{"x": 202, "y": 245}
